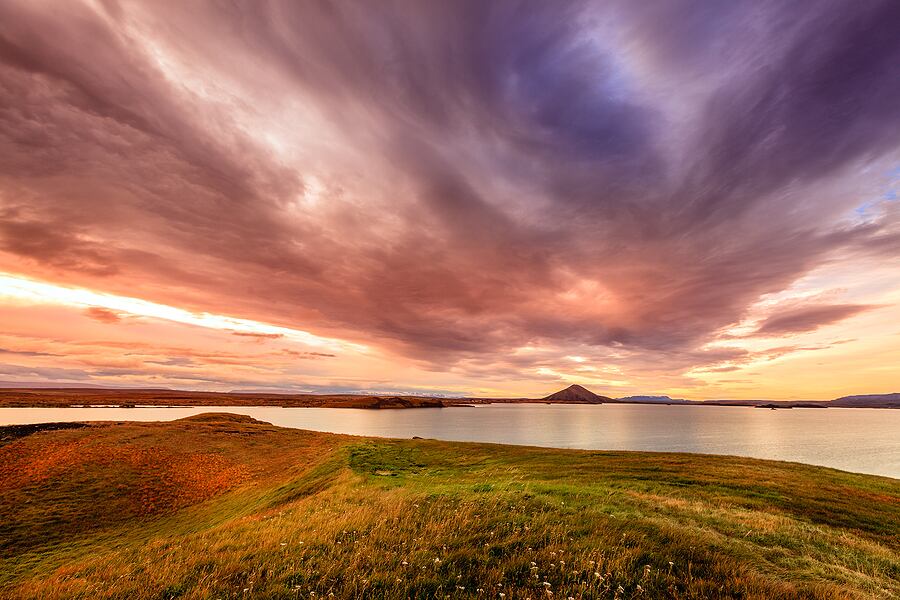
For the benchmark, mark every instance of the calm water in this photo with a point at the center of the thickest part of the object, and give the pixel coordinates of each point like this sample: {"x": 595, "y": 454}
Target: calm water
{"x": 852, "y": 439}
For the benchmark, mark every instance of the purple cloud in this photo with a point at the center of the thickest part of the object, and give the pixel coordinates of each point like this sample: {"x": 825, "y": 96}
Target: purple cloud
{"x": 809, "y": 318}
{"x": 615, "y": 176}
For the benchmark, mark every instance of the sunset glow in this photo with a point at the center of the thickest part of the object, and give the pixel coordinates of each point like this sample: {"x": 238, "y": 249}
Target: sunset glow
{"x": 303, "y": 199}
{"x": 36, "y": 293}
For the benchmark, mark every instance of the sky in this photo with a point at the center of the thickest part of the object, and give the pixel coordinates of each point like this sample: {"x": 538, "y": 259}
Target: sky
{"x": 698, "y": 199}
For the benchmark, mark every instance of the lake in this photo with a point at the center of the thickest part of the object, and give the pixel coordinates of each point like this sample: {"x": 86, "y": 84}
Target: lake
{"x": 853, "y": 439}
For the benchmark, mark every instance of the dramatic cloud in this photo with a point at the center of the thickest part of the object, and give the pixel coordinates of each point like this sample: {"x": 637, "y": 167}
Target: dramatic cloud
{"x": 477, "y": 188}
{"x": 809, "y": 318}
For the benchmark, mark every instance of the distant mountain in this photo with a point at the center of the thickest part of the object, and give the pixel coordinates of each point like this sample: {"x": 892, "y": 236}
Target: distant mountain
{"x": 578, "y": 394}
{"x": 868, "y": 401}
{"x": 653, "y": 400}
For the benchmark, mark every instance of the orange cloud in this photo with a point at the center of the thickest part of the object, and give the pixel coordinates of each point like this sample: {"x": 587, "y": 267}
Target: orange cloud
{"x": 104, "y": 315}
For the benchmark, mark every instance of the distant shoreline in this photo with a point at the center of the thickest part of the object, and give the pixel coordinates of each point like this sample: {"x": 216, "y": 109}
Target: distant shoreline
{"x": 129, "y": 398}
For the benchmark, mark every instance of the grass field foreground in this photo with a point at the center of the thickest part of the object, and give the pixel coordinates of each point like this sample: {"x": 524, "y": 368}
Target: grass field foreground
{"x": 222, "y": 506}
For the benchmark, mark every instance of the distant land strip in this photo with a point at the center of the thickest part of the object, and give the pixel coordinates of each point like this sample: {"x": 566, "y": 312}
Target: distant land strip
{"x": 12, "y": 397}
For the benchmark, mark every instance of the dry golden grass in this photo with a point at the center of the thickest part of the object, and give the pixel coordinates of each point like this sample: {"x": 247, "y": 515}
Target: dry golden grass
{"x": 248, "y": 510}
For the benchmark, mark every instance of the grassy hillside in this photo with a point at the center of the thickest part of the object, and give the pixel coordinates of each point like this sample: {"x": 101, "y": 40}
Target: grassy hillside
{"x": 221, "y": 506}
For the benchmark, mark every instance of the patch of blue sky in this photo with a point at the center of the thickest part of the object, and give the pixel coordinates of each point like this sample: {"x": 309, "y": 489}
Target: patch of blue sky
{"x": 868, "y": 210}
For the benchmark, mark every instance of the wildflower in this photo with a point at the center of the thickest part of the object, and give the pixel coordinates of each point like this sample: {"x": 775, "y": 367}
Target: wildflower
{"x": 404, "y": 563}
{"x": 546, "y": 584}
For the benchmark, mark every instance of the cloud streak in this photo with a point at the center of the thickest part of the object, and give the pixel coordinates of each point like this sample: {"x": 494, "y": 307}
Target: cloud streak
{"x": 451, "y": 183}
{"x": 809, "y": 318}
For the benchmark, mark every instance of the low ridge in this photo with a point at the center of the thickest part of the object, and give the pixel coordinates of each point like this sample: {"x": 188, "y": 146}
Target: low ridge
{"x": 577, "y": 393}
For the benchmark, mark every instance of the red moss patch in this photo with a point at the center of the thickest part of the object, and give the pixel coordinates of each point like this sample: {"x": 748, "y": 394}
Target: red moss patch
{"x": 162, "y": 479}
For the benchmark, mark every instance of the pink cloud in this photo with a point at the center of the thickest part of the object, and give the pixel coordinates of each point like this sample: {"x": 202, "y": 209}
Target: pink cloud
{"x": 529, "y": 187}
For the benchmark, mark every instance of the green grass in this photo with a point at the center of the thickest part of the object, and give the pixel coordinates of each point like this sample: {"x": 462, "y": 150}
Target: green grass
{"x": 221, "y": 507}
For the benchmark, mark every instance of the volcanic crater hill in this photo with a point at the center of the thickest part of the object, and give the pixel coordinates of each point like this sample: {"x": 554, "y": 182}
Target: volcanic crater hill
{"x": 577, "y": 394}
